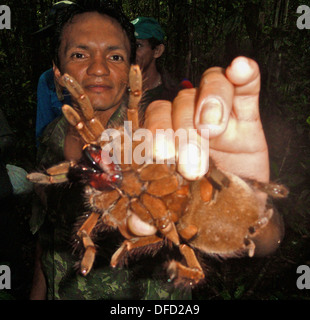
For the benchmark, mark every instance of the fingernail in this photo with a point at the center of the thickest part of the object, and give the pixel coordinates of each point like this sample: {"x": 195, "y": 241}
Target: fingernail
{"x": 164, "y": 148}
{"x": 241, "y": 65}
{"x": 191, "y": 164}
{"x": 212, "y": 112}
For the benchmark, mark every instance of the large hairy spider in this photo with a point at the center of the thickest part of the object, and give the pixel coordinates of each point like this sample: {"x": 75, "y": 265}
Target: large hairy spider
{"x": 151, "y": 204}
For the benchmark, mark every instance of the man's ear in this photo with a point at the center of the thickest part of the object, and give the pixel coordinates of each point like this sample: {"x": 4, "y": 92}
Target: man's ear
{"x": 57, "y": 75}
{"x": 159, "y": 50}
{"x": 59, "y": 85}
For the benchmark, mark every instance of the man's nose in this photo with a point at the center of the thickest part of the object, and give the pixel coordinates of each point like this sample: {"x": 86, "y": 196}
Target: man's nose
{"x": 99, "y": 67}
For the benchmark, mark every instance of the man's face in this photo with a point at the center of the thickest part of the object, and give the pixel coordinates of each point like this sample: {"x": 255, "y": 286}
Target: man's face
{"x": 144, "y": 54}
{"x": 95, "y": 50}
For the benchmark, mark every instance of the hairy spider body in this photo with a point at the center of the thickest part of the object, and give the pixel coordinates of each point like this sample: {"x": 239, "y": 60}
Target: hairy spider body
{"x": 152, "y": 204}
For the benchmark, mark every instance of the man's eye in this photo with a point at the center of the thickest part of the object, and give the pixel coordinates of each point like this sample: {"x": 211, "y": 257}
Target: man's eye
{"x": 117, "y": 58}
{"x": 138, "y": 45}
{"x": 77, "y": 55}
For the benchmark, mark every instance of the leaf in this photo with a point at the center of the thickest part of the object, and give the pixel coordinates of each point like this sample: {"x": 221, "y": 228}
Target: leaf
{"x": 5, "y": 295}
{"x": 239, "y": 292}
{"x": 226, "y": 295}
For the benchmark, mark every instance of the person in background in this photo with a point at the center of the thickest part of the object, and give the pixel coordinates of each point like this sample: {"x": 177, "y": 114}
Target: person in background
{"x": 50, "y": 96}
{"x": 157, "y": 83}
{"x": 50, "y": 99}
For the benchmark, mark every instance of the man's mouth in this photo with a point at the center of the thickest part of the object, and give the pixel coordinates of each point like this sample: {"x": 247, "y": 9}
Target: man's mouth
{"x": 98, "y": 88}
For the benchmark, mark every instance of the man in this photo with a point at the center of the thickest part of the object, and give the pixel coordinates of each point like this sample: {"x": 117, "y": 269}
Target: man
{"x": 157, "y": 83}
{"x": 95, "y": 44}
{"x": 96, "y": 47}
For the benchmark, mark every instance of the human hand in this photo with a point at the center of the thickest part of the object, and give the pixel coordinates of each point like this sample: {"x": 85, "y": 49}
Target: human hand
{"x": 227, "y": 104}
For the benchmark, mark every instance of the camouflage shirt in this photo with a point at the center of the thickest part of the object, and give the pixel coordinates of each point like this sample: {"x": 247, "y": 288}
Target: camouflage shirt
{"x": 144, "y": 278}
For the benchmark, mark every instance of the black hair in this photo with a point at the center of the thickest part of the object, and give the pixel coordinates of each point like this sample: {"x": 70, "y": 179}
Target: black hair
{"x": 154, "y": 42}
{"x": 106, "y": 7}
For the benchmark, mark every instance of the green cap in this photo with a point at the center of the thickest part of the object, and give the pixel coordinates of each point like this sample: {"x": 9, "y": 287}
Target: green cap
{"x": 146, "y": 28}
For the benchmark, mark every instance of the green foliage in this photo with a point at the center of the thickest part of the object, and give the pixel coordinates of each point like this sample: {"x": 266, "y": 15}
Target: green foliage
{"x": 5, "y": 295}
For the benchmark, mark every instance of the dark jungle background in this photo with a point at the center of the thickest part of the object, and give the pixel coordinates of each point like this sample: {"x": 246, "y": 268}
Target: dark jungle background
{"x": 200, "y": 34}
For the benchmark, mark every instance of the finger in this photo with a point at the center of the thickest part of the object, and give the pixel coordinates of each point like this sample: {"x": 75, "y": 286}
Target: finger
{"x": 193, "y": 149}
{"x": 158, "y": 121}
{"x": 214, "y": 102}
{"x": 244, "y": 74}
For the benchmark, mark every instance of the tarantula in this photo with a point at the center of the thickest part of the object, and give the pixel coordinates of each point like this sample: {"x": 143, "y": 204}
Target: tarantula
{"x": 151, "y": 204}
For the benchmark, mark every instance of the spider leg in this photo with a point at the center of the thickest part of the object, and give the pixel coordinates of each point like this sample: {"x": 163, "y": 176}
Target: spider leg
{"x": 92, "y": 129}
{"x": 149, "y": 243}
{"x": 274, "y": 190}
{"x": 190, "y": 274}
{"x": 90, "y": 250}
{"x": 216, "y": 177}
{"x": 135, "y": 84}
{"x": 55, "y": 174}
{"x": 75, "y": 120}
{"x": 41, "y": 178}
